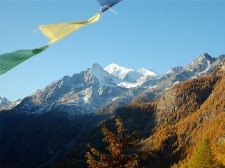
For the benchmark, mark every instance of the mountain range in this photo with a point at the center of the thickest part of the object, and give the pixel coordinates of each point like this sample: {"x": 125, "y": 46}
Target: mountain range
{"x": 39, "y": 129}
{"x": 90, "y": 90}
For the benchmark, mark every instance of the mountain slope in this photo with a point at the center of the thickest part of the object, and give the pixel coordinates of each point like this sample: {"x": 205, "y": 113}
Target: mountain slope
{"x": 45, "y": 125}
{"x": 203, "y": 65}
{"x": 173, "y": 127}
{"x": 176, "y": 137}
{"x": 38, "y": 140}
{"x": 79, "y": 94}
{"x": 4, "y": 102}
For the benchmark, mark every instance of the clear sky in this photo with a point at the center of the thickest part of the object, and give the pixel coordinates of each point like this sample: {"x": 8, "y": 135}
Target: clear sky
{"x": 155, "y": 34}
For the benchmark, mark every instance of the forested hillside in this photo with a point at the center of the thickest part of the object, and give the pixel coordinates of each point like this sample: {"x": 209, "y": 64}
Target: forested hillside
{"x": 188, "y": 120}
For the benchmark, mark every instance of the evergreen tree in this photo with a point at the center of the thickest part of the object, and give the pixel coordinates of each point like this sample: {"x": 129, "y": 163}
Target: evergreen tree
{"x": 115, "y": 157}
{"x": 203, "y": 157}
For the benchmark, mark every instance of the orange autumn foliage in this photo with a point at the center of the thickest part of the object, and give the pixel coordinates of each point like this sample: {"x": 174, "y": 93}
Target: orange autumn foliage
{"x": 181, "y": 132}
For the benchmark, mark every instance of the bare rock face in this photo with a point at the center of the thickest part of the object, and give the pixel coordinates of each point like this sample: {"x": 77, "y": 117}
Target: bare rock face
{"x": 221, "y": 68}
{"x": 168, "y": 102}
{"x": 221, "y": 139}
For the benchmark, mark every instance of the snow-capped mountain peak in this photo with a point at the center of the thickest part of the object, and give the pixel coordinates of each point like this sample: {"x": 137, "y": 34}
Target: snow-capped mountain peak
{"x": 204, "y": 56}
{"x": 117, "y": 70}
{"x": 203, "y": 59}
{"x": 200, "y": 64}
{"x": 103, "y": 77}
{"x": 98, "y": 71}
{"x": 129, "y": 75}
{"x": 4, "y": 102}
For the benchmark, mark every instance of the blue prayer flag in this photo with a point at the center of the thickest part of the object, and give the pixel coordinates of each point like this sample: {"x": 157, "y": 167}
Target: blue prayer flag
{"x": 106, "y": 4}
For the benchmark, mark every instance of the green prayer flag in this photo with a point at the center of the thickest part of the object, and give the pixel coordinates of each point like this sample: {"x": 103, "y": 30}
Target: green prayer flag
{"x": 10, "y": 60}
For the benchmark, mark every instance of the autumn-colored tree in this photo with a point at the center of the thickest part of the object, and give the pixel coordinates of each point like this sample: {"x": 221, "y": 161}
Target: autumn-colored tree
{"x": 115, "y": 156}
{"x": 219, "y": 151}
{"x": 203, "y": 157}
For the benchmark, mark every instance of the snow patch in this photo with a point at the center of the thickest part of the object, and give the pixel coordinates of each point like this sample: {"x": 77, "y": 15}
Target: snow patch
{"x": 147, "y": 72}
{"x": 177, "y": 82}
{"x": 128, "y": 85}
{"x": 88, "y": 93}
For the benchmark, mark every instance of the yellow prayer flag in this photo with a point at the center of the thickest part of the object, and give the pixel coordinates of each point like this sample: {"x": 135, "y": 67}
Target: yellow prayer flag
{"x": 56, "y": 32}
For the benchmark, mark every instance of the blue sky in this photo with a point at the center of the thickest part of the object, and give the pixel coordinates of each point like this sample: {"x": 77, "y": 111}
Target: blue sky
{"x": 155, "y": 34}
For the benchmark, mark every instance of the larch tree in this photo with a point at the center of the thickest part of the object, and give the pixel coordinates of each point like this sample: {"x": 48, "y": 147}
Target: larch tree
{"x": 203, "y": 157}
{"x": 115, "y": 156}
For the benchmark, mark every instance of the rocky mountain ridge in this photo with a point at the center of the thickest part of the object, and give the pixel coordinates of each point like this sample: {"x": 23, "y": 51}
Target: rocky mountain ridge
{"x": 103, "y": 89}
{"x": 81, "y": 93}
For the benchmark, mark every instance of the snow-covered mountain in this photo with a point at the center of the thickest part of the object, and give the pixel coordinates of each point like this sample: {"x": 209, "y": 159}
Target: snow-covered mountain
{"x": 87, "y": 91}
{"x": 130, "y": 75}
{"x": 117, "y": 70}
{"x": 78, "y": 94}
{"x": 90, "y": 90}
{"x": 154, "y": 88}
{"x": 4, "y": 102}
